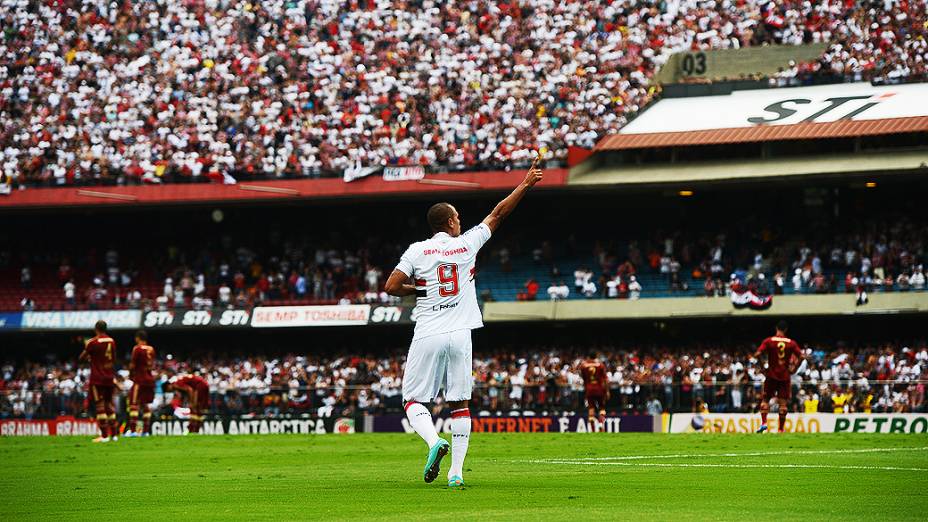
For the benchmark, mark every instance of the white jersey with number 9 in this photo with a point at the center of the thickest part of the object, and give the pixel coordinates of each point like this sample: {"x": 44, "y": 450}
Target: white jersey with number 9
{"x": 442, "y": 269}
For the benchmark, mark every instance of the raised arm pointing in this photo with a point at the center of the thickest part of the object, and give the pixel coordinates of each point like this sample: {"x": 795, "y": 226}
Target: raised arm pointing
{"x": 508, "y": 204}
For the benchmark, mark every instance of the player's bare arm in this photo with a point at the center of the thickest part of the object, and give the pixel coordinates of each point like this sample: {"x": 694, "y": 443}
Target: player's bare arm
{"x": 398, "y": 284}
{"x": 509, "y": 203}
{"x": 796, "y": 362}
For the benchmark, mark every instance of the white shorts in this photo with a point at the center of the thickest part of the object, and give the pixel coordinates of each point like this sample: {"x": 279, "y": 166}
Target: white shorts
{"x": 439, "y": 362}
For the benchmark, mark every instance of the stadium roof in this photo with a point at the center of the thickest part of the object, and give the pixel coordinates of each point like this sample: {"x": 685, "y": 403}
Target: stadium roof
{"x": 799, "y": 131}
{"x": 797, "y": 113}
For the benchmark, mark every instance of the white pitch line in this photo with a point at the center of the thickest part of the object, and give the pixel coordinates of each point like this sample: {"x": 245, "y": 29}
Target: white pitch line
{"x": 749, "y": 454}
{"x": 739, "y": 466}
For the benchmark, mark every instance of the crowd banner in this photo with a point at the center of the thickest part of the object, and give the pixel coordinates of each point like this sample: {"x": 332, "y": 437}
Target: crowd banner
{"x": 358, "y": 172}
{"x": 81, "y": 320}
{"x": 801, "y": 423}
{"x": 521, "y": 424}
{"x": 10, "y": 320}
{"x": 289, "y": 316}
{"x": 403, "y": 173}
{"x": 256, "y": 426}
{"x": 215, "y": 318}
{"x": 61, "y": 426}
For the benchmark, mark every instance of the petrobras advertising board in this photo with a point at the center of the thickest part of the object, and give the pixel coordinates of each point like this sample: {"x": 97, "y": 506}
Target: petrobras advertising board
{"x": 801, "y": 423}
{"x": 294, "y": 316}
{"x": 81, "y": 320}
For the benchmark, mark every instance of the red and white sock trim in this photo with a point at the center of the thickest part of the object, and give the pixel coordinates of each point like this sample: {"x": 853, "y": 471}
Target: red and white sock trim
{"x": 408, "y": 404}
{"x": 463, "y": 412}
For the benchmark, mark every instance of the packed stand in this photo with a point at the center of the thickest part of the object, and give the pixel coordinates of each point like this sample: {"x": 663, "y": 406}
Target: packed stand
{"x": 170, "y": 91}
{"x": 883, "y": 255}
{"x": 884, "y": 378}
{"x": 290, "y": 272}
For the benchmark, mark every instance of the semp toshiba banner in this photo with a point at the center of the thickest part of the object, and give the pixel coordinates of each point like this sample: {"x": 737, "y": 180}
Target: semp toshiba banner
{"x": 801, "y": 423}
{"x": 540, "y": 424}
{"x": 785, "y": 106}
{"x": 335, "y": 315}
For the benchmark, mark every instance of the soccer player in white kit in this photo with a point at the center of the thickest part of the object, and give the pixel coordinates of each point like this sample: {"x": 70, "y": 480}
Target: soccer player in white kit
{"x": 440, "y": 273}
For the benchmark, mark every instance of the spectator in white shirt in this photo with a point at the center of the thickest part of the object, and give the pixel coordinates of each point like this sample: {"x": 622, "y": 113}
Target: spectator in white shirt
{"x": 589, "y": 289}
{"x": 225, "y": 295}
{"x": 134, "y": 298}
{"x": 634, "y": 288}
{"x": 579, "y": 279}
{"x": 918, "y": 278}
{"x": 612, "y": 287}
{"x": 558, "y": 291}
{"x": 69, "y": 292}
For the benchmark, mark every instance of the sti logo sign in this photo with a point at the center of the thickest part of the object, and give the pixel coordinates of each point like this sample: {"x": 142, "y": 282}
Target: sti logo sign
{"x": 810, "y": 110}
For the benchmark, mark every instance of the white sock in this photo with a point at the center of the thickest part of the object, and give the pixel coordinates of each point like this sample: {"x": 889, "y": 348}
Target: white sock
{"x": 460, "y": 438}
{"x": 421, "y": 420}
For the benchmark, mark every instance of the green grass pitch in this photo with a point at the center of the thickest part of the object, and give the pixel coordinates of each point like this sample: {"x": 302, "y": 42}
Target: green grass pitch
{"x": 509, "y": 476}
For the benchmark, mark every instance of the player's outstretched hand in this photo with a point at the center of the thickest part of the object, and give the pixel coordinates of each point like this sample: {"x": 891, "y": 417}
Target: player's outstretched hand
{"x": 534, "y": 176}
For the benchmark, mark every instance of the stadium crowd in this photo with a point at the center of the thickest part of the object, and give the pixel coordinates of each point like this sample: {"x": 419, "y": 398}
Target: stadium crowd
{"x": 119, "y": 92}
{"x": 864, "y": 255}
{"x": 884, "y": 378}
{"x": 854, "y": 256}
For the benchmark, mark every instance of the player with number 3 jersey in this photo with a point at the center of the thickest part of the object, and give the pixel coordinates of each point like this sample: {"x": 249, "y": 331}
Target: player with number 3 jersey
{"x": 780, "y": 351}
{"x": 440, "y": 273}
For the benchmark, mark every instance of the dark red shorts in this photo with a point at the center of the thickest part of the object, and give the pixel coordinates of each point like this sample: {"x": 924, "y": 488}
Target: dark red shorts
{"x": 777, "y": 388}
{"x": 597, "y": 401}
{"x": 102, "y": 393}
{"x": 141, "y": 394}
{"x": 199, "y": 400}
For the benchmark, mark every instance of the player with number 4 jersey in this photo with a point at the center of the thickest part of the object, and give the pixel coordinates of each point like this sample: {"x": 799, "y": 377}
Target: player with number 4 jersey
{"x": 100, "y": 351}
{"x": 440, "y": 273}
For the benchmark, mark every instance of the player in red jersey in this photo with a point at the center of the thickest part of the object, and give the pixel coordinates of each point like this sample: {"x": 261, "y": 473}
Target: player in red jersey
{"x": 101, "y": 352}
{"x": 780, "y": 351}
{"x": 596, "y": 390}
{"x": 143, "y": 386}
{"x": 196, "y": 389}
